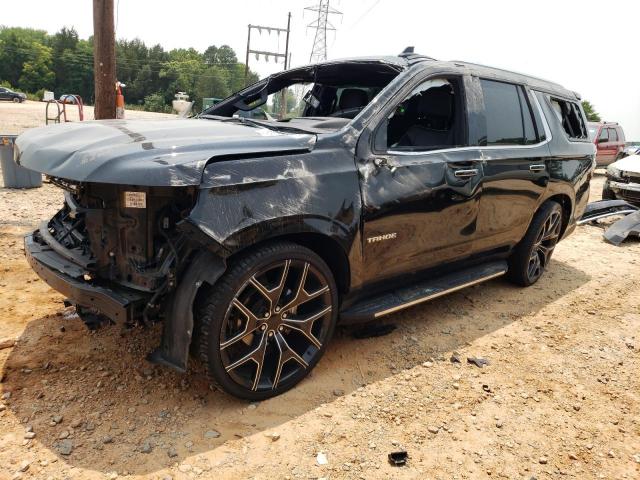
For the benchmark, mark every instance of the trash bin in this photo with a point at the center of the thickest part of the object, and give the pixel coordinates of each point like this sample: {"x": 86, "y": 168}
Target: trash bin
{"x": 13, "y": 175}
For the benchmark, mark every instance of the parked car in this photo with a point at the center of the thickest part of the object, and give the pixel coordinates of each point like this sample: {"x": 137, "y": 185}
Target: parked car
{"x": 609, "y": 140}
{"x": 631, "y": 150}
{"x": 623, "y": 180}
{"x": 68, "y": 98}
{"x": 403, "y": 179}
{"x": 8, "y": 94}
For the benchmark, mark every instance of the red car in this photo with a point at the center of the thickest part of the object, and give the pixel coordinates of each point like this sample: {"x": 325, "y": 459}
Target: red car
{"x": 609, "y": 140}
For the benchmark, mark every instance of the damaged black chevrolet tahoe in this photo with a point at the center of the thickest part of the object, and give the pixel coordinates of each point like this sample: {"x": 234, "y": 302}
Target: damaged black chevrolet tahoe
{"x": 389, "y": 181}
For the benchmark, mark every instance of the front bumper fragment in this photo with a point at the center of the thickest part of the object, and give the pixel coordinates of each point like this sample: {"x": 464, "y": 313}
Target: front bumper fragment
{"x": 117, "y": 303}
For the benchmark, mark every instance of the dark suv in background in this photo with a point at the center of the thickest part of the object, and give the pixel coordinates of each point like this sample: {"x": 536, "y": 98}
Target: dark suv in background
{"x": 395, "y": 180}
{"x": 609, "y": 140}
{"x": 8, "y": 94}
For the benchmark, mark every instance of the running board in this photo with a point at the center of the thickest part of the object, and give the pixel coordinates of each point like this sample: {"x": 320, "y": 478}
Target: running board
{"x": 372, "y": 308}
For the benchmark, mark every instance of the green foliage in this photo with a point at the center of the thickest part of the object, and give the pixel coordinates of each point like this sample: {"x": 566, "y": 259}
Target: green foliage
{"x": 590, "y": 111}
{"x": 33, "y": 60}
{"x": 156, "y": 103}
{"x": 36, "y": 71}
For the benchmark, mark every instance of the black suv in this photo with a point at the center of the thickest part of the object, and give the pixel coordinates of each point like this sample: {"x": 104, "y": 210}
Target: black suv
{"x": 8, "y": 94}
{"x": 391, "y": 181}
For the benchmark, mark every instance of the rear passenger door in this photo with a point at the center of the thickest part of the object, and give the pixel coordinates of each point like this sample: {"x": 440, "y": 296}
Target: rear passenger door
{"x": 514, "y": 151}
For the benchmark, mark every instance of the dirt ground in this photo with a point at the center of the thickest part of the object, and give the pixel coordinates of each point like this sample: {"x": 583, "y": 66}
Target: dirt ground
{"x": 560, "y": 398}
{"x": 15, "y": 118}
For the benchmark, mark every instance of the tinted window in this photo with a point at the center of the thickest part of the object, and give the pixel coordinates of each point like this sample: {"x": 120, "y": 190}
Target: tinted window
{"x": 613, "y": 135}
{"x": 507, "y": 114}
{"x": 2, "y": 90}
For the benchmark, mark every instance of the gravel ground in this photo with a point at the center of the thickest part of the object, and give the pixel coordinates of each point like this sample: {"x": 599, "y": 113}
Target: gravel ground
{"x": 559, "y": 399}
{"x": 15, "y": 118}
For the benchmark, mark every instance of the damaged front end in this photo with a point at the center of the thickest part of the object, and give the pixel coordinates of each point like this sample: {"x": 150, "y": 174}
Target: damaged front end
{"x": 118, "y": 250}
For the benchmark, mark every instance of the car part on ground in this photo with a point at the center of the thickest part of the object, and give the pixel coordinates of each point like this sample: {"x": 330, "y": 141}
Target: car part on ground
{"x": 623, "y": 228}
{"x": 401, "y": 180}
{"x": 605, "y": 208}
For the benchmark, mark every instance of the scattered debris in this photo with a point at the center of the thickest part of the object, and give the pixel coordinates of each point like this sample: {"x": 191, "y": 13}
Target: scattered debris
{"x": 322, "y": 459}
{"x": 455, "y": 358}
{"x": 477, "y": 361}
{"x": 372, "y": 330}
{"x": 486, "y": 388}
{"x": 398, "y": 458}
{"x": 211, "y": 434}
{"x": 338, "y": 392}
{"x": 619, "y": 231}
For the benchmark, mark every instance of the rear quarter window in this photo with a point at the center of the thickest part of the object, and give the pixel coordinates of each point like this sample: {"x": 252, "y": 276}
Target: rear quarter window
{"x": 570, "y": 117}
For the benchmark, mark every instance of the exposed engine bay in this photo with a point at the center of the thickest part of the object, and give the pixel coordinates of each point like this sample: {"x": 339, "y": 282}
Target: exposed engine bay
{"x": 122, "y": 234}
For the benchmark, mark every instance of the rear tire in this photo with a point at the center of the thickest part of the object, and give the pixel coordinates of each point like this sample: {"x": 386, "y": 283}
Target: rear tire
{"x": 266, "y": 323}
{"x": 532, "y": 255}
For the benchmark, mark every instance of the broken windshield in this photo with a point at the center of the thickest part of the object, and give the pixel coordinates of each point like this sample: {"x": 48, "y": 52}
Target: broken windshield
{"x": 339, "y": 90}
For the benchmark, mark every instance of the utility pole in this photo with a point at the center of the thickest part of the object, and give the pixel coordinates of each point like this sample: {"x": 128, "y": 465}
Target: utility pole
{"x": 321, "y": 25}
{"x": 266, "y": 54}
{"x": 104, "y": 59}
{"x": 276, "y": 55}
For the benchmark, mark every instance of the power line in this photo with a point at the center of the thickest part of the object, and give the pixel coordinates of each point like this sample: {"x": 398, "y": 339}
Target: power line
{"x": 321, "y": 24}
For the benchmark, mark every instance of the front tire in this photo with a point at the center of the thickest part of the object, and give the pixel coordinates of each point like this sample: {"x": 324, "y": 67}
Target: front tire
{"x": 16, "y": 100}
{"x": 266, "y": 323}
{"x": 532, "y": 255}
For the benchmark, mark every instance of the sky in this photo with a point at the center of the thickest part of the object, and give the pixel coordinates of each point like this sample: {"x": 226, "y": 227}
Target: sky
{"x": 587, "y": 46}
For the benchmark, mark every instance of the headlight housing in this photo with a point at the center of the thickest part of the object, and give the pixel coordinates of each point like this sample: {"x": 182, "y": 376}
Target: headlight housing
{"x": 614, "y": 172}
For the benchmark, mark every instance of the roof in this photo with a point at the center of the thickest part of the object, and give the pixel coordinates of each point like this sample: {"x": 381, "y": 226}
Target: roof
{"x": 405, "y": 60}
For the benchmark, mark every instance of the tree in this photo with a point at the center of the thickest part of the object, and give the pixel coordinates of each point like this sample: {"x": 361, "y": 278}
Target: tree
{"x": 37, "y": 73}
{"x": 590, "y": 111}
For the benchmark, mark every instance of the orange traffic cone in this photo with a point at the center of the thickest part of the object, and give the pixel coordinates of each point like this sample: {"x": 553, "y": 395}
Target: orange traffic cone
{"x": 119, "y": 100}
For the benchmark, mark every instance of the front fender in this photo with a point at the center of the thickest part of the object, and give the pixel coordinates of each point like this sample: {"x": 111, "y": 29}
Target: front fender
{"x": 243, "y": 202}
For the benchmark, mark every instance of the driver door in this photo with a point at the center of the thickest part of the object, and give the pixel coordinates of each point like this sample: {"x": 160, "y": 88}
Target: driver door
{"x": 420, "y": 182}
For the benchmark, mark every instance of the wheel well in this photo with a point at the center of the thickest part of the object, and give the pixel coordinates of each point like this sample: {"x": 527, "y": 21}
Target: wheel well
{"x": 328, "y": 249}
{"x": 565, "y": 203}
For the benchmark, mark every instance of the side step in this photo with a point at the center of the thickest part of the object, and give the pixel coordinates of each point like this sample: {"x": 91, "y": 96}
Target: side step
{"x": 372, "y": 308}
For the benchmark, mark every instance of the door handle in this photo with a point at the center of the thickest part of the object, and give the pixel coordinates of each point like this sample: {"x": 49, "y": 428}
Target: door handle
{"x": 466, "y": 173}
{"x": 537, "y": 168}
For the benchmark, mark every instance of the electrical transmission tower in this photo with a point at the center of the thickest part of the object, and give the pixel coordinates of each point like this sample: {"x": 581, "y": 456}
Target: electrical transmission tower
{"x": 321, "y": 25}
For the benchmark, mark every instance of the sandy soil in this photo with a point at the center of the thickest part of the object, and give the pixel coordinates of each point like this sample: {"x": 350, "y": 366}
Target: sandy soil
{"x": 560, "y": 398}
{"x": 15, "y": 118}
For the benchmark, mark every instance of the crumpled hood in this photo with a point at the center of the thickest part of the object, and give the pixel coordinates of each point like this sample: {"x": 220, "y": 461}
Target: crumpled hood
{"x": 628, "y": 164}
{"x": 168, "y": 152}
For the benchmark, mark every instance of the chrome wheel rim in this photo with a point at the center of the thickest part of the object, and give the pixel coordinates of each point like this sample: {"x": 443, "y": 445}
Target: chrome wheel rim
{"x": 276, "y": 325}
{"x": 543, "y": 246}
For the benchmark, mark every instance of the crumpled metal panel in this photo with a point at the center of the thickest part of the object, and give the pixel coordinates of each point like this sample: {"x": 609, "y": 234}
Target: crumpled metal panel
{"x": 619, "y": 231}
{"x": 163, "y": 152}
